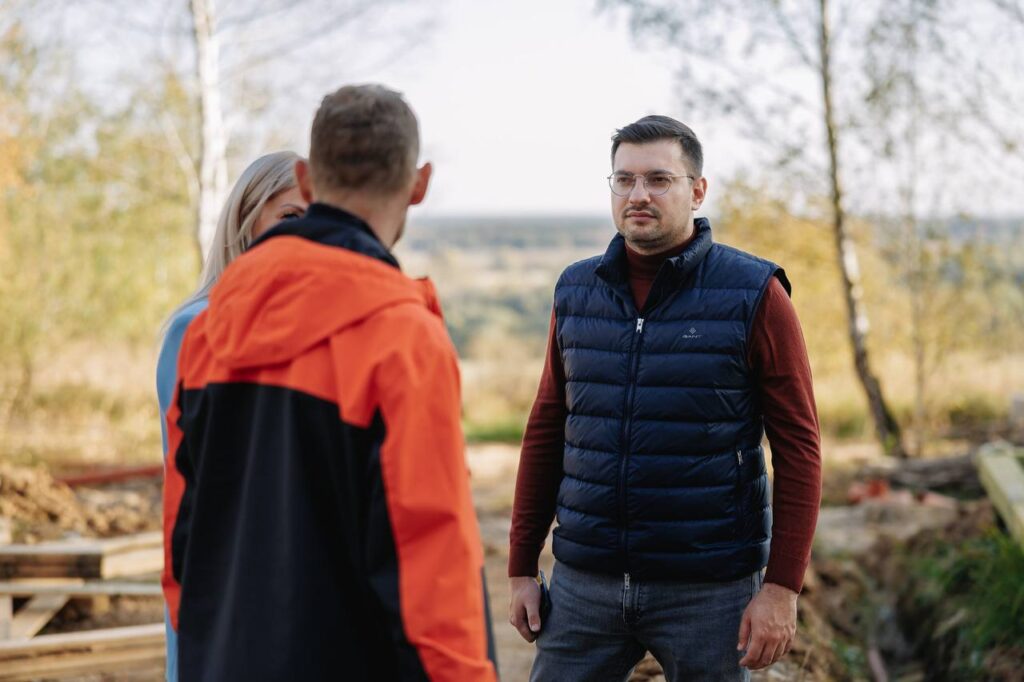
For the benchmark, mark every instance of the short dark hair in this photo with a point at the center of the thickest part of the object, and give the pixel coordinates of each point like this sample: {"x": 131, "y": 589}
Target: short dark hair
{"x": 654, "y": 128}
{"x": 364, "y": 137}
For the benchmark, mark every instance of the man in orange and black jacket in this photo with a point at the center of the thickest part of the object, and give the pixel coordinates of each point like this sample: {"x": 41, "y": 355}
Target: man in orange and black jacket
{"x": 317, "y": 514}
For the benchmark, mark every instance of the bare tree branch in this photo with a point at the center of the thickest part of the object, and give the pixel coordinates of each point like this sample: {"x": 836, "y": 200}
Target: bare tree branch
{"x": 1013, "y": 8}
{"x": 795, "y": 43}
{"x": 181, "y": 155}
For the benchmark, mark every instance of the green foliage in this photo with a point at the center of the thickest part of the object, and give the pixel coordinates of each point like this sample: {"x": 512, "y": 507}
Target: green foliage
{"x": 972, "y": 411}
{"x": 506, "y": 431}
{"x": 968, "y": 296}
{"x": 853, "y": 658}
{"x": 995, "y": 566}
{"x": 975, "y": 594}
{"x": 77, "y": 401}
{"x": 843, "y": 420}
{"x": 752, "y": 220}
{"x": 95, "y": 238}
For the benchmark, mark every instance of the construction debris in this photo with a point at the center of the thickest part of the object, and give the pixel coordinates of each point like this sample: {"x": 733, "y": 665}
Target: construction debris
{"x": 43, "y": 508}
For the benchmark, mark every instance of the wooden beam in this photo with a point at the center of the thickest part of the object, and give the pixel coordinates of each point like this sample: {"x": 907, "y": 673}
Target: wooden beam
{"x": 1002, "y": 473}
{"x": 109, "y": 475}
{"x": 107, "y": 650}
{"x": 6, "y": 603}
{"x": 80, "y": 588}
{"x": 35, "y": 614}
{"x": 82, "y": 558}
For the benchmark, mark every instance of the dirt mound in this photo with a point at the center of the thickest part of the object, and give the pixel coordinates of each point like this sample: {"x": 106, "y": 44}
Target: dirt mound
{"x": 42, "y": 508}
{"x": 38, "y": 506}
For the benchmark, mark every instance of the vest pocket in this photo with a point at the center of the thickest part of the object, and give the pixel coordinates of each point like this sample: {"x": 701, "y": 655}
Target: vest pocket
{"x": 738, "y": 496}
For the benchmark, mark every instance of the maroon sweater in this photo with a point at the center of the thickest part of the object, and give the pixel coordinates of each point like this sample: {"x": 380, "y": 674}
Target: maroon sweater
{"x": 778, "y": 356}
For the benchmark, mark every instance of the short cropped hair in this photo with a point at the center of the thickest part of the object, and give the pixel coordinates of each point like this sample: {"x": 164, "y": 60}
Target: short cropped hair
{"x": 364, "y": 137}
{"x": 654, "y": 128}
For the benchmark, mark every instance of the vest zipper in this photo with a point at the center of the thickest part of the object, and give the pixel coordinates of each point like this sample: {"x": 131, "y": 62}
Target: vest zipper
{"x": 634, "y": 361}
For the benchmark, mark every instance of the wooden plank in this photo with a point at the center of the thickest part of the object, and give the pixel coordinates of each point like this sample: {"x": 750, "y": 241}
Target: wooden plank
{"x": 15, "y": 563}
{"x": 80, "y": 588}
{"x": 74, "y": 665}
{"x": 133, "y": 561}
{"x": 6, "y": 603}
{"x": 1002, "y": 474}
{"x": 132, "y": 542}
{"x": 108, "y": 475}
{"x": 48, "y": 581}
{"x": 106, "y": 638}
{"x": 117, "y": 557}
{"x": 6, "y": 617}
{"x": 79, "y": 652}
{"x": 35, "y": 614}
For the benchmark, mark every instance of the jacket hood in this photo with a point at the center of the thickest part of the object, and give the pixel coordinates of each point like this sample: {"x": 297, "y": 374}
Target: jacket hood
{"x": 278, "y": 300}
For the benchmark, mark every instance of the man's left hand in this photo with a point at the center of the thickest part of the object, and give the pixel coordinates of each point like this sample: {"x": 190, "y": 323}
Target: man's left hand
{"x": 768, "y": 626}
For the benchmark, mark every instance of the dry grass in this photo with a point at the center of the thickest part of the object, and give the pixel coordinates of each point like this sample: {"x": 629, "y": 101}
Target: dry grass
{"x": 97, "y": 405}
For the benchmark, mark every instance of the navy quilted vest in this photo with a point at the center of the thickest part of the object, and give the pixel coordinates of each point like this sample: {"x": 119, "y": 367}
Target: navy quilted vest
{"x": 664, "y": 472}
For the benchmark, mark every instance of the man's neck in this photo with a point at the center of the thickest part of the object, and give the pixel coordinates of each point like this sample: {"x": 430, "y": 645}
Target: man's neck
{"x": 384, "y": 216}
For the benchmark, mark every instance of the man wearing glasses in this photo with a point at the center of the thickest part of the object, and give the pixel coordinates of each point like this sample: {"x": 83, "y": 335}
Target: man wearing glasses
{"x": 669, "y": 358}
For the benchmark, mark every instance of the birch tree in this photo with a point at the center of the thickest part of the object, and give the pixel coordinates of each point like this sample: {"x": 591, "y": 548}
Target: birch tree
{"x": 213, "y": 143}
{"x": 261, "y": 35}
{"x": 234, "y": 56}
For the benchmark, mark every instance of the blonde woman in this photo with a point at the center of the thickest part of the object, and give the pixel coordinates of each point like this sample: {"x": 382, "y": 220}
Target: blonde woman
{"x": 265, "y": 194}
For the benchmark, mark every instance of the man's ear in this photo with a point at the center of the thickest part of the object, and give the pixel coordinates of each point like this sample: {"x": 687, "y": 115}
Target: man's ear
{"x": 419, "y": 188}
{"x": 700, "y": 191}
{"x": 305, "y": 180}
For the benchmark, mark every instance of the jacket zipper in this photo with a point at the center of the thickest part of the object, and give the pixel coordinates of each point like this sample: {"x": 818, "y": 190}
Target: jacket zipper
{"x": 634, "y": 361}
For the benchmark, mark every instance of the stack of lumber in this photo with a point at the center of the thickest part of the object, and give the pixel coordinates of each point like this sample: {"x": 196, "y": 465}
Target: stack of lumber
{"x": 84, "y": 558}
{"x": 46, "y": 576}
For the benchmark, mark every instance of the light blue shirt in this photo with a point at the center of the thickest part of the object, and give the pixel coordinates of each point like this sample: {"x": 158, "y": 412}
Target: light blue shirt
{"x": 166, "y": 379}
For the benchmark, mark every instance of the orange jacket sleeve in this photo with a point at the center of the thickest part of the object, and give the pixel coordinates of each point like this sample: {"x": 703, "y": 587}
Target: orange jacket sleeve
{"x": 426, "y": 481}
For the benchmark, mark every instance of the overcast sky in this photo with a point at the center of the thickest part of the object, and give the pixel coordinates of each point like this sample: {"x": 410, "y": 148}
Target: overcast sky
{"x": 517, "y": 101}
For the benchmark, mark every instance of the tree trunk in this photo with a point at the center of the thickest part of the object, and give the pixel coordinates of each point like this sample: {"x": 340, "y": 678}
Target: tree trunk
{"x": 886, "y": 428}
{"x": 213, "y": 170}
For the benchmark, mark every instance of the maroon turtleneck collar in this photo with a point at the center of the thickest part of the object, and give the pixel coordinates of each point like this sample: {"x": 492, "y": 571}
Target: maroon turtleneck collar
{"x": 645, "y": 267}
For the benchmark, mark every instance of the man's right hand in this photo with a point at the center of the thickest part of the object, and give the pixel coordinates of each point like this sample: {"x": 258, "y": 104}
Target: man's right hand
{"x": 524, "y": 606}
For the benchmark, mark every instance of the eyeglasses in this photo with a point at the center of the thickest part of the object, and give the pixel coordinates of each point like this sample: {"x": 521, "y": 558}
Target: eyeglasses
{"x": 656, "y": 184}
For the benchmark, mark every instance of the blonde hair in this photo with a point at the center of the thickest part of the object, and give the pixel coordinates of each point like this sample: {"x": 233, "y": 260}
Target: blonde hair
{"x": 265, "y": 178}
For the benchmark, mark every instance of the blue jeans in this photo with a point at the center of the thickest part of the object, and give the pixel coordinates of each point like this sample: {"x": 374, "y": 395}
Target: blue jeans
{"x": 601, "y": 625}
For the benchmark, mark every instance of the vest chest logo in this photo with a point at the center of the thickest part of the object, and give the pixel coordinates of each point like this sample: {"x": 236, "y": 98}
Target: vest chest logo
{"x": 691, "y": 333}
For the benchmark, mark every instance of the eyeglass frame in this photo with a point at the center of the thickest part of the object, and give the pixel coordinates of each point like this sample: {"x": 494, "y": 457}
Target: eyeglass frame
{"x": 644, "y": 176}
